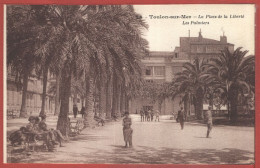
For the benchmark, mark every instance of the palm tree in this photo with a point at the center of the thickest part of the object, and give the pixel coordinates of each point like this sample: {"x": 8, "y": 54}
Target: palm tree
{"x": 190, "y": 84}
{"x": 121, "y": 54}
{"x": 234, "y": 71}
{"x": 85, "y": 38}
{"x": 21, "y": 45}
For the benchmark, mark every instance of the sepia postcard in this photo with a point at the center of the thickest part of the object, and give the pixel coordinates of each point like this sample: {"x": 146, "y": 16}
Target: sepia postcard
{"x": 167, "y": 84}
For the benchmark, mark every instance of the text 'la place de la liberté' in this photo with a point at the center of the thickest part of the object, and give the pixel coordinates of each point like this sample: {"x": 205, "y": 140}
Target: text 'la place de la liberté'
{"x": 196, "y": 22}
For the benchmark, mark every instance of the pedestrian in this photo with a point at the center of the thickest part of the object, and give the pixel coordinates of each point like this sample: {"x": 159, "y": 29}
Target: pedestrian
{"x": 152, "y": 114}
{"x": 173, "y": 115}
{"x": 142, "y": 115}
{"x": 42, "y": 124}
{"x": 75, "y": 110}
{"x": 146, "y": 115}
{"x": 83, "y": 111}
{"x": 208, "y": 119}
{"x": 32, "y": 126}
{"x": 157, "y": 115}
{"x": 180, "y": 117}
{"x": 32, "y": 129}
{"x": 127, "y": 130}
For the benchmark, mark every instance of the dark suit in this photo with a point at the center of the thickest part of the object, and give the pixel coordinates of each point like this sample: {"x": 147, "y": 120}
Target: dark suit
{"x": 180, "y": 118}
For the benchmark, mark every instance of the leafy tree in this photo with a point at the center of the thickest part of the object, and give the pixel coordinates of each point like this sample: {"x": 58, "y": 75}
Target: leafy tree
{"x": 191, "y": 85}
{"x": 234, "y": 71}
{"x": 21, "y": 45}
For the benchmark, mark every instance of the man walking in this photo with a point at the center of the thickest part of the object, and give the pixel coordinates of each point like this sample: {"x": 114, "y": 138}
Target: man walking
{"x": 75, "y": 110}
{"x": 180, "y": 117}
{"x": 83, "y": 109}
{"x": 146, "y": 115}
{"x": 152, "y": 114}
{"x": 208, "y": 119}
{"x": 142, "y": 115}
{"x": 157, "y": 115}
{"x": 149, "y": 115}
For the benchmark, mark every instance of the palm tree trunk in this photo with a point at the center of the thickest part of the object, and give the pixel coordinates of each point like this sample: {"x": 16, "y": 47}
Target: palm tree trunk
{"x": 186, "y": 108}
{"x": 89, "y": 117}
{"x": 119, "y": 92}
{"x": 123, "y": 99}
{"x": 199, "y": 104}
{"x": 108, "y": 98}
{"x": 82, "y": 102}
{"x": 127, "y": 103}
{"x": 228, "y": 109}
{"x": 198, "y": 108}
{"x": 114, "y": 100}
{"x": 233, "y": 105}
{"x": 87, "y": 88}
{"x": 63, "y": 120}
{"x": 102, "y": 99}
{"x": 45, "y": 79}
{"x": 160, "y": 105}
{"x": 57, "y": 96}
{"x": 23, "y": 111}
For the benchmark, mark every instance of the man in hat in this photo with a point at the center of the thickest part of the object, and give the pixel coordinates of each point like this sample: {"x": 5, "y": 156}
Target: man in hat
{"x": 127, "y": 130}
{"x": 83, "y": 111}
{"x": 180, "y": 117}
{"x": 152, "y": 114}
{"x": 75, "y": 110}
{"x": 208, "y": 119}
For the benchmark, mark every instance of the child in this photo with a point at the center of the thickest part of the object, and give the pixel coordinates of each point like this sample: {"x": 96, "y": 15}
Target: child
{"x": 127, "y": 130}
{"x": 208, "y": 119}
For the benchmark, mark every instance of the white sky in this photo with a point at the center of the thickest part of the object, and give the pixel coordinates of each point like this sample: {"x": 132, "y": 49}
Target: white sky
{"x": 163, "y": 34}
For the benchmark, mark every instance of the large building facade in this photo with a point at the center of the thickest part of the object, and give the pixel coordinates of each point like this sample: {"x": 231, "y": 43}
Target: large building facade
{"x": 161, "y": 66}
{"x": 33, "y": 96}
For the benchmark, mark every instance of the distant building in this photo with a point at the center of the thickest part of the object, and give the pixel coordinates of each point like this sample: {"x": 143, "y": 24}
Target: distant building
{"x": 34, "y": 95}
{"x": 191, "y": 47}
{"x": 161, "y": 66}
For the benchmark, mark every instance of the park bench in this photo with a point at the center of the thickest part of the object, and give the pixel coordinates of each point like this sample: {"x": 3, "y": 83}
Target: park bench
{"x": 12, "y": 114}
{"x": 43, "y": 139}
{"x": 76, "y": 126}
{"x": 34, "y": 140}
{"x": 99, "y": 121}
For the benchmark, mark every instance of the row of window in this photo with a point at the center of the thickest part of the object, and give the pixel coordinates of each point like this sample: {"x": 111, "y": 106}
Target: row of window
{"x": 160, "y": 70}
{"x": 33, "y": 100}
{"x": 207, "y": 49}
{"x": 155, "y": 71}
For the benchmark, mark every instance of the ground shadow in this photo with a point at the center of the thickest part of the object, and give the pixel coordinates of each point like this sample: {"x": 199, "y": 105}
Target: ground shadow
{"x": 148, "y": 155}
{"x": 144, "y": 155}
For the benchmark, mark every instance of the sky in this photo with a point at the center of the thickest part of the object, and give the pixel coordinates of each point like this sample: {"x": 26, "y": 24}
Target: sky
{"x": 163, "y": 33}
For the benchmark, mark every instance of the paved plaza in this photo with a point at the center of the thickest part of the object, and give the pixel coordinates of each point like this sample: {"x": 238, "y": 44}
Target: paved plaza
{"x": 153, "y": 143}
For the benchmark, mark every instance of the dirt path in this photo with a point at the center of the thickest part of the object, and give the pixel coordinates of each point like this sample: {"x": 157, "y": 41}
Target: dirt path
{"x": 154, "y": 143}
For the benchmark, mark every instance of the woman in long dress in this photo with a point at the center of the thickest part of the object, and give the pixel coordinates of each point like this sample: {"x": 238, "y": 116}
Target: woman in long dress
{"x": 127, "y": 130}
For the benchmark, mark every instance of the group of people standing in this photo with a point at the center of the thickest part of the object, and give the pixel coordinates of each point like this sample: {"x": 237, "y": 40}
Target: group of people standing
{"x": 76, "y": 111}
{"x": 148, "y": 115}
